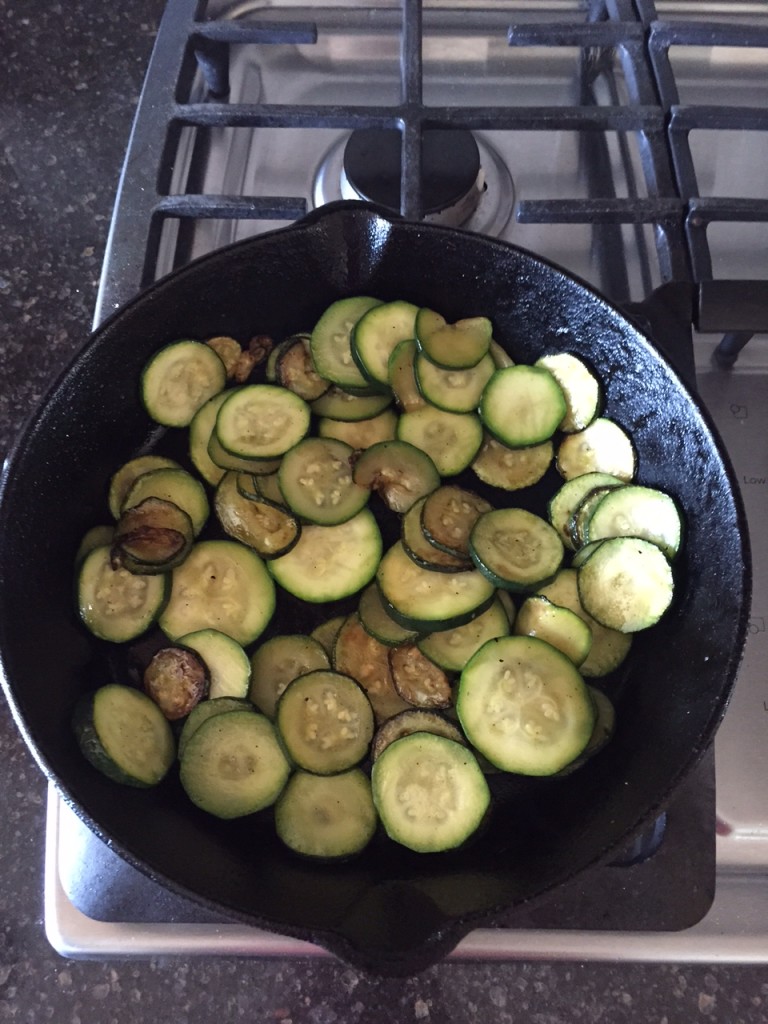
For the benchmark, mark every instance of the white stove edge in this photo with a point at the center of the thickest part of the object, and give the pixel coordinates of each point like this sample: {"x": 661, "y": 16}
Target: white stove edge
{"x": 734, "y": 931}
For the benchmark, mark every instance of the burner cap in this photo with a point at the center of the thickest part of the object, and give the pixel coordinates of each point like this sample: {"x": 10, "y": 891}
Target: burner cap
{"x": 450, "y": 166}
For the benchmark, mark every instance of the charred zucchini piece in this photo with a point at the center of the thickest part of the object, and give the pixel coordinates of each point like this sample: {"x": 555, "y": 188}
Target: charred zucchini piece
{"x": 325, "y": 721}
{"x": 173, "y": 485}
{"x": 522, "y": 405}
{"x": 580, "y": 388}
{"x": 511, "y": 469}
{"x": 338, "y": 404}
{"x": 229, "y": 350}
{"x": 421, "y": 549}
{"x": 451, "y": 439}
{"x": 418, "y": 680}
{"x": 409, "y": 722}
{"x": 399, "y": 473}
{"x": 151, "y": 537}
{"x": 124, "y": 735}
{"x": 453, "y": 346}
{"x": 331, "y": 341}
{"x": 569, "y": 496}
{"x": 229, "y": 668}
{"x": 451, "y": 649}
{"x": 328, "y": 817}
{"x": 179, "y": 379}
{"x": 448, "y": 517}
{"x": 602, "y": 447}
{"x": 377, "y": 333}
{"x": 456, "y": 390}
{"x": 269, "y": 529}
{"x": 402, "y": 377}
{"x": 515, "y": 549}
{"x": 234, "y": 765}
{"x": 361, "y": 434}
{"x": 424, "y": 600}
{"x": 176, "y": 679}
{"x": 430, "y": 792}
{"x": 377, "y": 621}
{"x": 317, "y": 483}
{"x": 294, "y": 369}
{"x": 560, "y": 627}
{"x": 360, "y": 655}
{"x": 261, "y": 421}
{"x": 280, "y": 660}
{"x": 207, "y": 709}
{"x": 129, "y": 472}
{"x": 114, "y": 604}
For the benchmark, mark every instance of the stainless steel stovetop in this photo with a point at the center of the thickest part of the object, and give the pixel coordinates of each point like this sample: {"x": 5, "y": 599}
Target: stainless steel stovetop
{"x": 528, "y": 166}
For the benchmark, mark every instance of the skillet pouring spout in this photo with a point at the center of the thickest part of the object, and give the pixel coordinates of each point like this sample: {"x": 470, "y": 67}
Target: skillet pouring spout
{"x": 389, "y": 911}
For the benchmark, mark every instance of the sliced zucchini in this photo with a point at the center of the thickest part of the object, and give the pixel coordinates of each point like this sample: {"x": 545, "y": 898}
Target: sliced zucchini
{"x": 583, "y": 514}
{"x": 229, "y": 350}
{"x": 179, "y": 379}
{"x": 225, "y": 460}
{"x": 626, "y": 584}
{"x": 448, "y": 517}
{"x": 328, "y": 817}
{"x": 113, "y": 603}
{"x": 221, "y": 585}
{"x": 129, "y": 472}
{"x": 452, "y": 440}
{"x": 361, "y": 434}
{"x": 207, "y": 709}
{"x": 325, "y": 721}
{"x": 377, "y": 333}
{"x": 402, "y": 377}
{"x": 418, "y": 680}
{"x": 451, "y": 649}
{"x": 399, "y": 472}
{"x": 560, "y": 627}
{"x": 360, "y": 655}
{"x": 229, "y": 668}
{"x": 96, "y": 537}
{"x": 408, "y": 722}
{"x": 605, "y": 724}
{"x": 294, "y": 369}
{"x": 579, "y": 385}
{"x": 453, "y": 346}
{"x": 429, "y": 791}
{"x": 515, "y": 549}
{"x": 316, "y": 481}
{"x": 331, "y": 341}
{"x": 424, "y": 600}
{"x": 569, "y": 496}
{"x": 511, "y": 469}
{"x": 635, "y": 511}
{"x": 453, "y": 390}
{"x": 176, "y": 486}
{"x": 377, "y": 621}
{"x": 602, "y": 447}
{"x": 124, "y": 735}
{"x": 271, "y": 530}
{"x": 261, "y": 421}
{"x": 524, "y": 706}
{"x": 330, "y": 562}
{"x": 420, "y": 548}
{"x": 522, "y": 405}
{"x": 176, "y": 679}
{"x": 501, "y": 358}
{"x": 234, "y": 764}
{"x": 337, "y": 404}
{"x": 280, "y": 660}
{"x": 153, "y": 536}
{"x": 326, "y": 633}
{"x": 200, "y": 430}
{"x": 609, "y": 646}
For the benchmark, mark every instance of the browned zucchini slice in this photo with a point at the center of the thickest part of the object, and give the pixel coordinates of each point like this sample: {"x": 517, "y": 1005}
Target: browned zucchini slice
{"x": 267, "y": 528}
{"x": 512, "y": 468}
{"x": 361, "y": 656}
{"x": 418, "y": 680}
{"x": 399, "y": 472}
{"x": 360, "y": 434}
{"x": 420, "y": 548}
{"x": 408, "y": 722}
{"x": 448, "y": 516}
{"x": 295, "y": 370}
{"x": 177, "y": 680}
{"x": 152, "y": 537}
{"x": 402, "y": 377}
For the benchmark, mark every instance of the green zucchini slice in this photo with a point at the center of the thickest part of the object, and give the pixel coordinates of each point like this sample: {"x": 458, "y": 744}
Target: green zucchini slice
{"x": 115, "y": 604}
{"x": 579, "y": 386}
{"x": 430, "y": 792}
{"x": 635, "y": 511}
{"x": 515, "y": 549}
{"x": 524, "y": 706}
{"x": 207, "y": 709}
{"x": 522, "y": 405}
{"x": 453, "y": 346}
{"x": 399, "y": 472}
{"x": 408, "y": 722}
{"x": 402, "y": 377}
{"x": 261, "y": 421}
{"x": 129, "y": 472}
{"x": 176, "y": 486}
{"x": 328, "y": 817}
{"x": 125, "y": 735}
{"x": 448, "y": 517}
{"x": 331, "y": 341}
{"x": 451, "y": 649}
{"x": 602, "y": 447}
{"x": 420, "y": 548}
{"x": 229, "y": 668}
{"x": 200, "y": 430}
{"x": 280, "y": 660}
{"x": 338, "y": 404}
{"x": 626, "y": 584}
{"x": 453, "y": 390}
{"x": 179, "y": 379}
{"x": 325, "y": 721}
{"x": 450, "y": 439}
{"x": 377, "y": 333}
{"x": 511, "y": 469}
{"x": 569, "y": 496}
{"x": 271, "y": 530}
{"x": 360, "y": 434}
{"x": 377, "y": 621}
{"x": 316, "y": 481}
{"x": 560, "y": 627}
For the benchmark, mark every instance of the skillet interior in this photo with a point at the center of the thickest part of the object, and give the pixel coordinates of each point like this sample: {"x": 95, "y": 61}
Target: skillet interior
{"x": 390, "y": 911}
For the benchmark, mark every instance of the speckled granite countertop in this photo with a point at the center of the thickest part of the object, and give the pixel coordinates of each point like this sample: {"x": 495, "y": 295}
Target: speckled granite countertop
{"x": 71, "y": 75}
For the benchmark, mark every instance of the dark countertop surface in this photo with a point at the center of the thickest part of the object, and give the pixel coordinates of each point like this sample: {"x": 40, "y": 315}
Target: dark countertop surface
{"x": 71, "y": 76}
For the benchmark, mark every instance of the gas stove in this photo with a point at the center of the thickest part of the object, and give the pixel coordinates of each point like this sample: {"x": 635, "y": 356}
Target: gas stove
{"x": 626, "y": 141}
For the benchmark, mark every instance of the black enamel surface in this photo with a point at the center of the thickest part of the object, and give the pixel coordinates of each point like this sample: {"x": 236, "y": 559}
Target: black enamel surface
{"x": 390, "y": 911}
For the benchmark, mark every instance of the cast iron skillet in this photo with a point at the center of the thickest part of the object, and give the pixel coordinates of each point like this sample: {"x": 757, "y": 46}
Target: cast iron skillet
{"x": 389, "y": 911}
